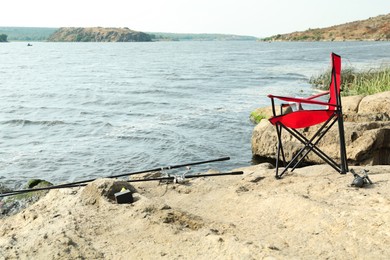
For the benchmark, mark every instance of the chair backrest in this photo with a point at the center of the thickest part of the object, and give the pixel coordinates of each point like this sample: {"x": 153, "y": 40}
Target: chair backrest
{"x": 334, "y": 87}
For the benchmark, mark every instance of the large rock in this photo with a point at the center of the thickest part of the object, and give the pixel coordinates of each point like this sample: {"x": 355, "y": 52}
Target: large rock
{"x": 367, "y": 134}
{"x": 98, "y": 34}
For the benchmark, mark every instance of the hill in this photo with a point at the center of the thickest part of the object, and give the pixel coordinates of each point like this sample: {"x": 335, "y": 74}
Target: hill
{"x": 372, "y": 29}
{"x": 98, "y": 34}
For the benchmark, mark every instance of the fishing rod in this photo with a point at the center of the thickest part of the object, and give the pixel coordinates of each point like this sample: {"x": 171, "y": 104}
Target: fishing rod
{"x": 187, "y": 176}
{"x": 155, "y": 169}
{"x": 170, "y": 178}
{"x": 138, "y": 172}
{"x": 150, "y": 170}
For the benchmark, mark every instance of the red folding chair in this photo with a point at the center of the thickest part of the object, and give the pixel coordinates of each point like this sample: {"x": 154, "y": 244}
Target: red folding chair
{"x": 295, "y": 120}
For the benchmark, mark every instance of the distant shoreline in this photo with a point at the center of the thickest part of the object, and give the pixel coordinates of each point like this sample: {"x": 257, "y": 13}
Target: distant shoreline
{"x": 42, "y": 34}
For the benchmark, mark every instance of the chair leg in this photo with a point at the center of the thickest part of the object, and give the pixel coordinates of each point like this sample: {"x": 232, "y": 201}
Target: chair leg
{"x": 279, "y": 150}
{"x": 343, "y": 153}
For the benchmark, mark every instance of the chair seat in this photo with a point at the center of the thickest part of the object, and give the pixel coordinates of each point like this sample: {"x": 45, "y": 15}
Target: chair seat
{"x": 302, "y": 118}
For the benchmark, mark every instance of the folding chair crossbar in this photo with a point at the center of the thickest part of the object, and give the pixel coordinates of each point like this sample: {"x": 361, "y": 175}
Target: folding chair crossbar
{"x": 308, "y": 143}
{"x": 315, "y": 149}
{"x": 308, "y": 146}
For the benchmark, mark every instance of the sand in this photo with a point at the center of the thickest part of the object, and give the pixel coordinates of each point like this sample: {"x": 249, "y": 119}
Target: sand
{"x": 312, "y": 213}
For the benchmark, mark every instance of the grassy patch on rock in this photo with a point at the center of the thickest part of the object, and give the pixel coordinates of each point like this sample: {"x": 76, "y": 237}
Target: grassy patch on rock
{"x": 256, "y": 116}
{"x": 356, "y": 82}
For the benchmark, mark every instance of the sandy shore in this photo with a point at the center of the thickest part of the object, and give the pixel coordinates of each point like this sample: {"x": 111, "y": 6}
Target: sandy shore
{"x": 313, "y": 213}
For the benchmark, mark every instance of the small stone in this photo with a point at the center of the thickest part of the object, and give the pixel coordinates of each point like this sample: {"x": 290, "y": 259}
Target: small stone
{"x": 214, "y": 231}
{"x": 165, "y": 207}
{"x": 272, "y": 247}
{"x": 257, "y": 179}
{"x": 242, "y": 189}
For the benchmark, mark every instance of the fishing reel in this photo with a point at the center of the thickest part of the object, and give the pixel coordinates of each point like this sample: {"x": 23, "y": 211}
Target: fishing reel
{"x": 179, "y": 178}
{"x": 360, "y": 181}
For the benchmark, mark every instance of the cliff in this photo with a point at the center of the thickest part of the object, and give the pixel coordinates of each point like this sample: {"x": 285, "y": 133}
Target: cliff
{"x": 372, "y": 29}
{"x": 98, "y": 34}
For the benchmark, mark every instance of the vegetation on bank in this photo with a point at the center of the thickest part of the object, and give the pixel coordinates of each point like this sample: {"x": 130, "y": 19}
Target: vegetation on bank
{"x": 27, "y": 33}
{"x": 3, "y": 37}
{"x": 356, "y": 82}
{"x": 256, "y": 116}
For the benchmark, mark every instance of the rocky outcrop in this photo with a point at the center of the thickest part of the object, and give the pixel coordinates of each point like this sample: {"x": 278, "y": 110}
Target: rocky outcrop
{"x": 98, "y": 34}
{"x": 367, "y": 134}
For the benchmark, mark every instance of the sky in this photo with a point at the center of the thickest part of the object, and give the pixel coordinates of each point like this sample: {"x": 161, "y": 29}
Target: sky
{"x": 260, "y": 18}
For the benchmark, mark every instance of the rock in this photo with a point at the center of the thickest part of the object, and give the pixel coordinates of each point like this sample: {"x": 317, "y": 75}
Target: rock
{"x": 377, "y": 103}
{"x": 13, "y": 204}
{"x": 4, "y": 188}
{"x": 351, "y": 103}
{"x": 367, "y": 134}
{"x": 103, "y": 190}
{"x": 38, "y": 183}
{"x": 264, "y": 140}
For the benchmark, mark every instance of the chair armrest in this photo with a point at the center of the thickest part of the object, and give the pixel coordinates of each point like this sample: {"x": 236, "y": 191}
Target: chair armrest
{"x": 302, "y": 100}
{"x": 318, "y": 95}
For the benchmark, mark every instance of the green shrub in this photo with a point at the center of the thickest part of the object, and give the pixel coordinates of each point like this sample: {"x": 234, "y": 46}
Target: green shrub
{"x": 355, "y": 82}
{"x": 256, "y": 117}
{"x": 3, "y": 38}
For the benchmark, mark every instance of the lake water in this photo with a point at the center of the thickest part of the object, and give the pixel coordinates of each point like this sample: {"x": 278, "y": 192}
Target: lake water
{"x": 71, "y": 111}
